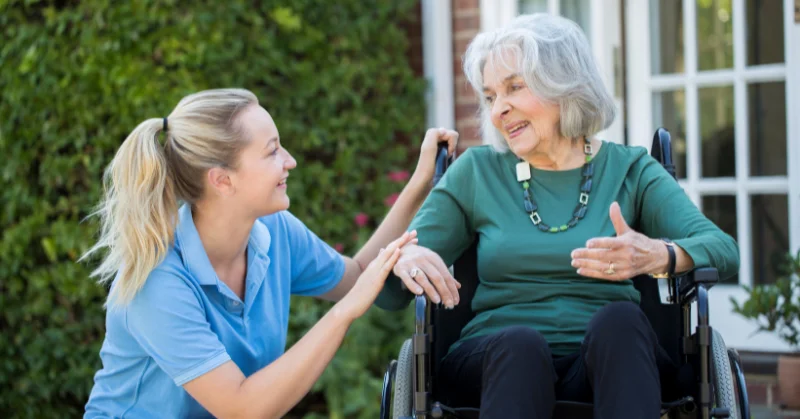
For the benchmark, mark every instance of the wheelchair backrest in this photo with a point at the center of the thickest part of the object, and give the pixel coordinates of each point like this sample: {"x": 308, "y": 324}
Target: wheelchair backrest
{"x": 666, "y": 319}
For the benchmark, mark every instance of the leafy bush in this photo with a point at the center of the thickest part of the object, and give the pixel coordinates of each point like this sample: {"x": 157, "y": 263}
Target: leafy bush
{"x": 776, "y": 307}
{"x": 77, "y": 77}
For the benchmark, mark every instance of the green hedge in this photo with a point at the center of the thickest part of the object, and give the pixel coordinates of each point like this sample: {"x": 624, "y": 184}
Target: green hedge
{"x": 77, "y": 76}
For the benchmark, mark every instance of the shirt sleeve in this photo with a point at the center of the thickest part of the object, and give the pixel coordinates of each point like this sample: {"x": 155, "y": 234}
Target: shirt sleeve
{"x": 316, "y": 267}
{"x": 168, "y": 320}
{"x": 443, "y": 224}
{"x": 667, "y": 212}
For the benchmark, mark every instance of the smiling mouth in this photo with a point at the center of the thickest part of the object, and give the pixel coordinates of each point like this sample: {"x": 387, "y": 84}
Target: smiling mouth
{"x": 517, "y": 128}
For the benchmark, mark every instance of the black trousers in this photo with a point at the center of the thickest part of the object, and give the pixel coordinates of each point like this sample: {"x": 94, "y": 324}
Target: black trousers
{"x": 513, "y": 374}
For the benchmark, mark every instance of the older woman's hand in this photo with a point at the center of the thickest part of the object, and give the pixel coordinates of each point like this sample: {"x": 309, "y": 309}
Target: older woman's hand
{"x": 622, "y": 257}
{"x": 422, "y": 270}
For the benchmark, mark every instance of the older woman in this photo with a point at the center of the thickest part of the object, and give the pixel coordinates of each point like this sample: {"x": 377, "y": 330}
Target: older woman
{"x": 563, "y": 220}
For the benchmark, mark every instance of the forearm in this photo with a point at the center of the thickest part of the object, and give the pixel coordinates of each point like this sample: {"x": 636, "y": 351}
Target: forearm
{"x": 396, "y": 221}
{"x": 278, "y": 387}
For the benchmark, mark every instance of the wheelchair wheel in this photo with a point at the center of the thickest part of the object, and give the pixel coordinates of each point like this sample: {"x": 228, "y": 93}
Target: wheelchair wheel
{"x": 403, "y": 386}
{"x": 723, "y": 380}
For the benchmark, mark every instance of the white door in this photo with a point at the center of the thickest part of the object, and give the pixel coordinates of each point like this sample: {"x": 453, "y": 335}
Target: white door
{"x": 722, "y": 76}
{"x": 600, "y": 20}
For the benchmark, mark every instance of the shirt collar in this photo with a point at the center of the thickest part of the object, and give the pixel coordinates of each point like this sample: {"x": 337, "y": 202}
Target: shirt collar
{"x": 194, "y": 254}
{"x": 191, "y": 248}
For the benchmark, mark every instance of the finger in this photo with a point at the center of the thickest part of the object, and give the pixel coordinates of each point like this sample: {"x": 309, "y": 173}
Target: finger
{"x": 593, "y": 273}
{"x": 430, "y": 290}
{"x": 620, "y": 226}
{"x": 385, "y": 254}
{"x": 596, "y": 265}
{"x": 451, "y": 137}
{"x": 389, "y": 263}
{"x": 605, "y": 243}
{"x": 450, "y": 282}
{"x": 405, "y": 278}
{"x": 586, "y": 253}
{"x": 406, "y": 238}
{"x": 439, "y": 282}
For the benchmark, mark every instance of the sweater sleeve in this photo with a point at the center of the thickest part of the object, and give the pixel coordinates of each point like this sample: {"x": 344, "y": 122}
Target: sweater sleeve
{"x": 442, "y": 223}
{"x": 667, "y": 212}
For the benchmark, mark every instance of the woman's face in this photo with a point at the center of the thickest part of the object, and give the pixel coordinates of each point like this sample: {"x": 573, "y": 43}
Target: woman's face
{"x": 260, "y": 179}
{"x": 525, "y": 121}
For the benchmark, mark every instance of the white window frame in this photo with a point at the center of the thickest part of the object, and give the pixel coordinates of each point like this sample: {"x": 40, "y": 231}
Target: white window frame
{"x": 641, "y": 87}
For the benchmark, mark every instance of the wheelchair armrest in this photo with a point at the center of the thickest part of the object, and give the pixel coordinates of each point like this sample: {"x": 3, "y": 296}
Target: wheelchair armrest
{"x": 688, "y": 283}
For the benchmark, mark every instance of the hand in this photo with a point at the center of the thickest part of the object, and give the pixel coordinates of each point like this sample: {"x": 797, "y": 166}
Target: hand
{"x": 370, "y": 282}
{"x": 431, "y": 275}
{"x": 430, "y": 145}
{"x": 622, "y": 257}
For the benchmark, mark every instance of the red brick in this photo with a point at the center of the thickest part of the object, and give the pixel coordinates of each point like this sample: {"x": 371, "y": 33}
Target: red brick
{"x": 466, "y": 4}
{"x": 467, "y": 23}
{"x": 459, "y": 13}
{"x": 466, "y": 110}
{"x": 757, "y": 392}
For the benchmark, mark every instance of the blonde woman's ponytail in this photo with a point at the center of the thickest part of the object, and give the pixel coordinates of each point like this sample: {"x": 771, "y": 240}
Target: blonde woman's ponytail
{"x": 138, "y": 212}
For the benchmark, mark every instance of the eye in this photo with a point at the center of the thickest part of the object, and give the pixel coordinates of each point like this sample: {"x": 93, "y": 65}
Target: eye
{"x": 488, "y": 99}
{"x": 515, "y": 87}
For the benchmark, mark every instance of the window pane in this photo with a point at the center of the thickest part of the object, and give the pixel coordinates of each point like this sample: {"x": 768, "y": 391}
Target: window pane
{"x": 767, "y": 117}
{"x": 532, "y": 6}
{"x": 666, "y": 36}
{"x": 714, "y": 34}
{"x": 764, "y": 32}
{"x": 770, "y": 235}
{"x": 716, "y": 131}
{"x": 669, "y": 111}
{"x": 578, "y": 11}
{"x": 721, "y": 209}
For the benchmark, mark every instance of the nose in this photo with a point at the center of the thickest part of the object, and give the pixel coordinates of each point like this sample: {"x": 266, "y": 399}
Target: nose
{"x": 500, "y": 108}
{"x": 289, "y": 163}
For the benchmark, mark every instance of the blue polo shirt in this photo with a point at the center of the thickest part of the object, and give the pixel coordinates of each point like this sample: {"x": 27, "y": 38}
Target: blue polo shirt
{"x": 185, "y": 321}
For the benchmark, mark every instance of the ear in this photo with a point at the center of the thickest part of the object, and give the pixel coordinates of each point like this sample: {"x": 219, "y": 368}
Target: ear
{"x": 220, "y": 181}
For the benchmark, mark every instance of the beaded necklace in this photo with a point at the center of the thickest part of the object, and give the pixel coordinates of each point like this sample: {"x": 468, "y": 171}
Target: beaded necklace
{"x": 524, "y": 175}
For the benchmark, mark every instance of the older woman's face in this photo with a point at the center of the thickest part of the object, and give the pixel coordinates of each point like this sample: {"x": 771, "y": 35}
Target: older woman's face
{"x": 525, "y": 121}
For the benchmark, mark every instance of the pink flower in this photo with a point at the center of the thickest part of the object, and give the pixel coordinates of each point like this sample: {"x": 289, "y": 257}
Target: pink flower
{"x": 391, "y": 199}
{"x": 398, "y": 177}
{"x": 361, "y": 219}
{"x": 339, "y": 247}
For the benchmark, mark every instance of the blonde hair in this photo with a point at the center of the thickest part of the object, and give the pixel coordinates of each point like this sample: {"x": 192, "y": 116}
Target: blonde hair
{"x": 554, "y": 57}
{"x": 145, "y": 181}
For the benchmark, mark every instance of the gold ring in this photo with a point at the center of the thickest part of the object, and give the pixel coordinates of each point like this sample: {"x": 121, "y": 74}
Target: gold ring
{"x": 610, "y": 270}
{"x": 414, "y": 272}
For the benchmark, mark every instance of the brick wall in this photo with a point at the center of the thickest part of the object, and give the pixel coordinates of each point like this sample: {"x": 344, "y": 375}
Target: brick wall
{"x": 466, "y": 24}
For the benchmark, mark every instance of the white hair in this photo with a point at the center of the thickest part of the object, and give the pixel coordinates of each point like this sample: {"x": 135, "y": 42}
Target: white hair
{"x": 553, "y": 56}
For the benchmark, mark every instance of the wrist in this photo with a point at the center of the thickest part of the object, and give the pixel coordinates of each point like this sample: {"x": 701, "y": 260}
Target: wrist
{"x": 664, "y": 266}
{"x": 420, "y": 183}
{"x": 343, "y": 312}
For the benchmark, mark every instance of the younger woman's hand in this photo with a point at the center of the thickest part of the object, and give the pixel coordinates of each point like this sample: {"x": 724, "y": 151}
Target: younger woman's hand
{"x": 430, "y": 145}
{"x": 371, "y": 281}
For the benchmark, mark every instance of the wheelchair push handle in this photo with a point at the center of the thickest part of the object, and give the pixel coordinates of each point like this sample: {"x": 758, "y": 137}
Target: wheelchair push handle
{"x": 442, "y": 162}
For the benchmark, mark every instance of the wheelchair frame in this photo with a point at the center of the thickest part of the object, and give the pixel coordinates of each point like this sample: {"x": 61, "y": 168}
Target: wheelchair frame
{"x": 683, "y": 291}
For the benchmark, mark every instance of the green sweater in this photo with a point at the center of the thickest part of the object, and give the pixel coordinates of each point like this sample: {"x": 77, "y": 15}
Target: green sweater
{"x": 526, "y": 277}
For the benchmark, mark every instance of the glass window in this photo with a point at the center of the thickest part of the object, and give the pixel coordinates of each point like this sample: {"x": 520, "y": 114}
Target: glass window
{"x": 666, "y": 36}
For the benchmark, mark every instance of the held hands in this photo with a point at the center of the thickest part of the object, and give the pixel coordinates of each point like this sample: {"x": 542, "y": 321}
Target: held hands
{"x": 422, "y": 270}
{"x": 622, "y": 257}
{"x": 371, "y": 281}
{"x": 427, "y": 155}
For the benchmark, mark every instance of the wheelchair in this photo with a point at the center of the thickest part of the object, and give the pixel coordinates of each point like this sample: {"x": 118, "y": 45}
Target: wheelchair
{"x": 715, "y": 387}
